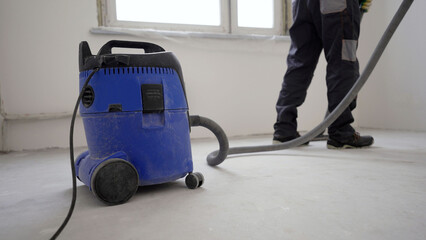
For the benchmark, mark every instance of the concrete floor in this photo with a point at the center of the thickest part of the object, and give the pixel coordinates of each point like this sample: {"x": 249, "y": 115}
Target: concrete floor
{"x": 303, "y": 193}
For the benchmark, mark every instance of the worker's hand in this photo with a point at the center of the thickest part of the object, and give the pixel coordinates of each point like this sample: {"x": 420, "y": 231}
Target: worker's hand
{"x": 364, "y": 5}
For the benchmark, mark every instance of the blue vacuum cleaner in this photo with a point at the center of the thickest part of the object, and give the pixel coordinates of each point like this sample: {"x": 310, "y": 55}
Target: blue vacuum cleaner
{"x": 136, "y": 120}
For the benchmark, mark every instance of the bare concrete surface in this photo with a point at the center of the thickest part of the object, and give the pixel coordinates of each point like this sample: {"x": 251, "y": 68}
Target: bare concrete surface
{"x": 302, "y": 193}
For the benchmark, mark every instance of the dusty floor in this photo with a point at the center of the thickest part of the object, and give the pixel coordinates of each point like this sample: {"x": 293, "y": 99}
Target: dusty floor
{"x": 303, "y": 193}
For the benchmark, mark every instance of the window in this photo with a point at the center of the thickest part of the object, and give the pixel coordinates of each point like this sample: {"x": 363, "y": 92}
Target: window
{"x": 267, "y": 17}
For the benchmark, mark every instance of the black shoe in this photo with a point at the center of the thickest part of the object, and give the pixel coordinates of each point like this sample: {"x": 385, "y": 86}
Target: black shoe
{"x": 356, "y": 142}
{"x": 280, "y": 139}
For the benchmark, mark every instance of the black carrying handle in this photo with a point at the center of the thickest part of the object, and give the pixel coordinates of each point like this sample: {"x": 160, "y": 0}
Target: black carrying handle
{"x": 148, "y": 47}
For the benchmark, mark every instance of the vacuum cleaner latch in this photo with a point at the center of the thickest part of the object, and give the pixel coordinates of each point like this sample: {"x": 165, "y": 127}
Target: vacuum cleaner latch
{"x": 152, "y": 98}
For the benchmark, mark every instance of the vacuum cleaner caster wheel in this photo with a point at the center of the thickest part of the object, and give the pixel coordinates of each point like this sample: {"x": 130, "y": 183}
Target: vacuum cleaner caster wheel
{"x": 194, "y": 180}
{"x": 200, "y": 178}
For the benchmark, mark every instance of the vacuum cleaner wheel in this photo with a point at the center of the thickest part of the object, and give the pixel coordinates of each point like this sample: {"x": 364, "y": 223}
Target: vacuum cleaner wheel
{"x": 194, "y": 180}
{"x": 115, "y": 181}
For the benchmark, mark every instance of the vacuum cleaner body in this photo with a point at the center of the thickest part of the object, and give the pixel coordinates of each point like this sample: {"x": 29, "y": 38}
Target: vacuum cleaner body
{"x": 136, "y": 121}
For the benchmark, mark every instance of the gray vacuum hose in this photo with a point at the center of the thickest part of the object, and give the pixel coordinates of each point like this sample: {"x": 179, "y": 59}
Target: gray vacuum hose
{"x": 219, "y": 156}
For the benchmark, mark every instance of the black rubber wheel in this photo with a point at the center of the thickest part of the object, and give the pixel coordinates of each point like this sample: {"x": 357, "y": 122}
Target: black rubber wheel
{"x": 200, "y": 178}
{"x": 115, "y": 181}
{"x": 192, "y": 181}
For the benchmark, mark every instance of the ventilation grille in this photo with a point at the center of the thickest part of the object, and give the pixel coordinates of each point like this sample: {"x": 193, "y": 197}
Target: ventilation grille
{"x": 138, "y": 70}
{"x": 88, "y": 97}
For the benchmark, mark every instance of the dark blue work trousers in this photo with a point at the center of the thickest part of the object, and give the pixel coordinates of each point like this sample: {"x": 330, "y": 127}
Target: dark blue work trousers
{"x": 332, "y": 25}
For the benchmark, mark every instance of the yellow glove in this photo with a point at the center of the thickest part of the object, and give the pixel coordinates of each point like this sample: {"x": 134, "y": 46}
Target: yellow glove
{"x": 364, "y": 5}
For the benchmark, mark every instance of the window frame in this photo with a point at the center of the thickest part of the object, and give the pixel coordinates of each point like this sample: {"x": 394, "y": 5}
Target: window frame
{"x": 229, "y": 20}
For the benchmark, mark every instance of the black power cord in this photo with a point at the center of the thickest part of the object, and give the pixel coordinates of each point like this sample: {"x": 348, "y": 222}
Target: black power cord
{"x": 74, "y": 181}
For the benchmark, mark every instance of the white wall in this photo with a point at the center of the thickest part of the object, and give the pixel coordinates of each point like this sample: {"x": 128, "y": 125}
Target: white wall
{"x": 234, "y": 82}
{"x": 395, "y": 94}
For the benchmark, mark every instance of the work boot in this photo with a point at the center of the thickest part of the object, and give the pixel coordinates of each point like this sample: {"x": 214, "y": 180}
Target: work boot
{"x": 357, "y": 141}
{"x": 280, "y": 139}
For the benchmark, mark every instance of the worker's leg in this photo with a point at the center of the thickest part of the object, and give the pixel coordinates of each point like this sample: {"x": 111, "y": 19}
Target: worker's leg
{"x": 340, "y": 32}
{"x": 302, "y": 59}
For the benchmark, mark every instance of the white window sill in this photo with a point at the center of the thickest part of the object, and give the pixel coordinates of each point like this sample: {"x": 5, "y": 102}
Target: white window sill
{"x": 181, "y": 34}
